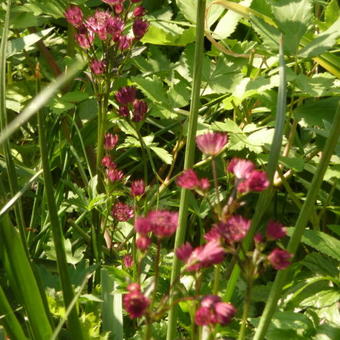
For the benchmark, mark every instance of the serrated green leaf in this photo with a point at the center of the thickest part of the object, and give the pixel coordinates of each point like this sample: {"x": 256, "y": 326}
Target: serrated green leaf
{"x": 323, "y": 42}
{"x": 293, "y": 18}
{"x": 319, "y": 263}
{"x": 297, "y": 164}
{"x": 321, "y": 299}
{"x": 162, "y": 154}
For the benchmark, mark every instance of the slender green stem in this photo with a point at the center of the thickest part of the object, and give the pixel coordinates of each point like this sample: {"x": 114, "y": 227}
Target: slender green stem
{"x": 58, "y": 238}
{"x": 158, "y": 253}
{"x": 189, "y": 155}
{"x": 246, "y": 306}
{"x": 300, "y": 225}
{"x": 266, "y": 196}
{"x": 217, "y": 193}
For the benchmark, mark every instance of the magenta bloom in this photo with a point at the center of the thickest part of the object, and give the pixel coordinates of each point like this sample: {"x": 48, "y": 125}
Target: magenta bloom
{"x": 84, "y": 38}
{"x": 213, "y": 234}
{"x": 275, "y": 230}
{"x": 124, "y": 42}
{"x": 241, "y": 168}
{"x": 119, "y": 8}
{"x": 139, "y": 11}
{"x": 128, "y": 261}
{"x": 123, "y": 111}
{"x": 114, "y": 174}
{"x": 139, "y": 28}
{"x": 188, "y": 180}
{"x": 135, "y": 302}
{"x": 234, "y": 229}
{"x": 74, "y": 15}
{"x": 110, "y": 141}
{"x": 140, "y": 108}
{"x": 164, "y": 223}
{"x": 98, "y": 66}
{"x": 143, "y": 242}
{"x": 138, "y": 188}
{"x": 126, "y": 95}
{"x": 108, "y": 163}
{"x": 258, "y": 238}
{"x": 98, "y": 23}
{"x": 143, "y": 225}
{"x": 279, "y": 258}
{"x": 135, "y": 1}
{"x": 115, "y": 27}
{"x": 205, "y": 184}
{"x": 211, "y": 143}
{"x": 205, "y": 256}
{"x": 256, "y": 181}
{"x": 212, "y": 311}
{"x": 122, "y": 212}
{"x": 184, "y": 251}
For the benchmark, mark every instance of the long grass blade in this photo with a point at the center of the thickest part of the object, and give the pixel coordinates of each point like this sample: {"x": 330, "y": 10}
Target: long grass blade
{"x": 189, "y": 155}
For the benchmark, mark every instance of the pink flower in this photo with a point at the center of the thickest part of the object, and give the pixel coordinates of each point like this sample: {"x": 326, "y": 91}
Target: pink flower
{"x": 139, "y": 28}
{"x": 110, "y": 141}
{"x": 164, "y": 223}
{"x": 212, "y": 311}
{"x": 108, "y": 163}
{"x": 188, "y": 180}
{"x": 143, "y": 225}
{"x": 241, "y": 168}
{"x": 114, "y": 174}
{"x": 123, "y": 111}
{"x": 135, "y": 1}
{"x": 275, "y": 230}
{"x": 115, "y": 27}
{"x": 234, "y": 229}
{"x": 98, "y": 23}
{"x": 279, "y": 258}
{"x": 135, "y": 302}
{"x": 184, "y": 251}
{"x": 122, "y": 212}
{"x": 212, "y": 234}
{"x": 84, "y": 38}
{"x": 256, "y": 181}
{"x": 211, "y": 143}
{"x": 143, "y": 242}
{"x": 74, "y": 15}
{"x": 258, "y": 238}
{"x": 137, "y": 188}
{"x": 98, "y": 66}
{"x": 128, "y": 261}
{"x": 205, "y": 184}
{"x": 140, "y": 108}
{"x": 139, "y": 11}
{"x": 124, "y": 42}
{"x": 205, "y": 256}
{"x": 126, "y": 95}
{"x": 119, "y": 8}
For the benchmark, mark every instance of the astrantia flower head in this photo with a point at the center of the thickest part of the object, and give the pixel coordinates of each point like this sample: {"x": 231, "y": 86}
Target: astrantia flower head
{"x": 211, "y": 143}
{"x": 188, "y": 179}
{"x": 184, "y": 251}
{"x": 74, "y": 15}
{"x": 139, "y": 11}
{"x": 110, "y": 141}
{"x": 135, "y": 302}
{"x": 122, "y": 212}
{"x": 140, "y": 108}
{"x": 84, "y": 38}
{"x": 98, "y": 66}
{"x": 164, "y": 223}
{"x": 212, "y": 311}
{"x": 98, "y": 23}
{"x": 205, "y": 256}
{"x": 128, "y": 261}
{"x": 256, "y": 181}
{"x": 126, "y": 95}
{"x": 124, "y": 42}
{"x": 115, "y": 27}
{"x": 143, "y": 225}
{"x": 108, "y": 163}
{"x": 114, "y": 174}
{"x": 275, "y": 230}
{"x": 138, "y": 188}
{"x": 234, "y": 229}
{"x": 123, "y": 111}
{"x": 143, "y": 242}
{"x": 139, "y": 28}
{"x": 241, "y": 168}
{"x": 204, "y": 184}
{"x": 280, "y": 259}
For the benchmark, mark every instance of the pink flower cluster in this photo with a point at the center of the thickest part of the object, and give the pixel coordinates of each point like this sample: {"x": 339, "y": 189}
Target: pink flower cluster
{"x": 161, "y": 223}
{"x": 112, "y": 173}
{"x": 113, "y": 28}
{"x": 129, "y": 105}
{"x": 213, "y": 311}
{"x": 135, "y": 302}
{"x": 211, "y": 143}
{"x": 122, "y": 212}
{"x": 247, "y": 178}
{"x": 189, "y": 180}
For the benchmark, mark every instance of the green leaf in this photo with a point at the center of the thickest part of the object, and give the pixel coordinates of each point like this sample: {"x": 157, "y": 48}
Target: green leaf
{"x": 293, "y": 18}
{"x": 322, "y": 242}
{"x": 332, "y": 12}
{"x": 323, "y": 42}
{"x": 321, "y": 299}
{"x": 228, "y": 23}
{"x": 319, "y": 263}
{"x": 327, "y": 332}
{"x": 162, "y": 154}
{"x": 22, "y": 44}
{"x": 297, "y": 164}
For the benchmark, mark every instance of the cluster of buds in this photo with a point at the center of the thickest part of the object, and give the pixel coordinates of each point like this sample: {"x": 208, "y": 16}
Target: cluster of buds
{"x": 135, "y": 302}
{"x": 161, "y": 223}
{"x": 129, "y": 106}
{"x": 119, "y": 28}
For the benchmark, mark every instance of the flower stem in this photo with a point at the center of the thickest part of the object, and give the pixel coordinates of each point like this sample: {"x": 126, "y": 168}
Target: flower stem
{"x": 217, "y": 193}
{"x": 189, "y": 155}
